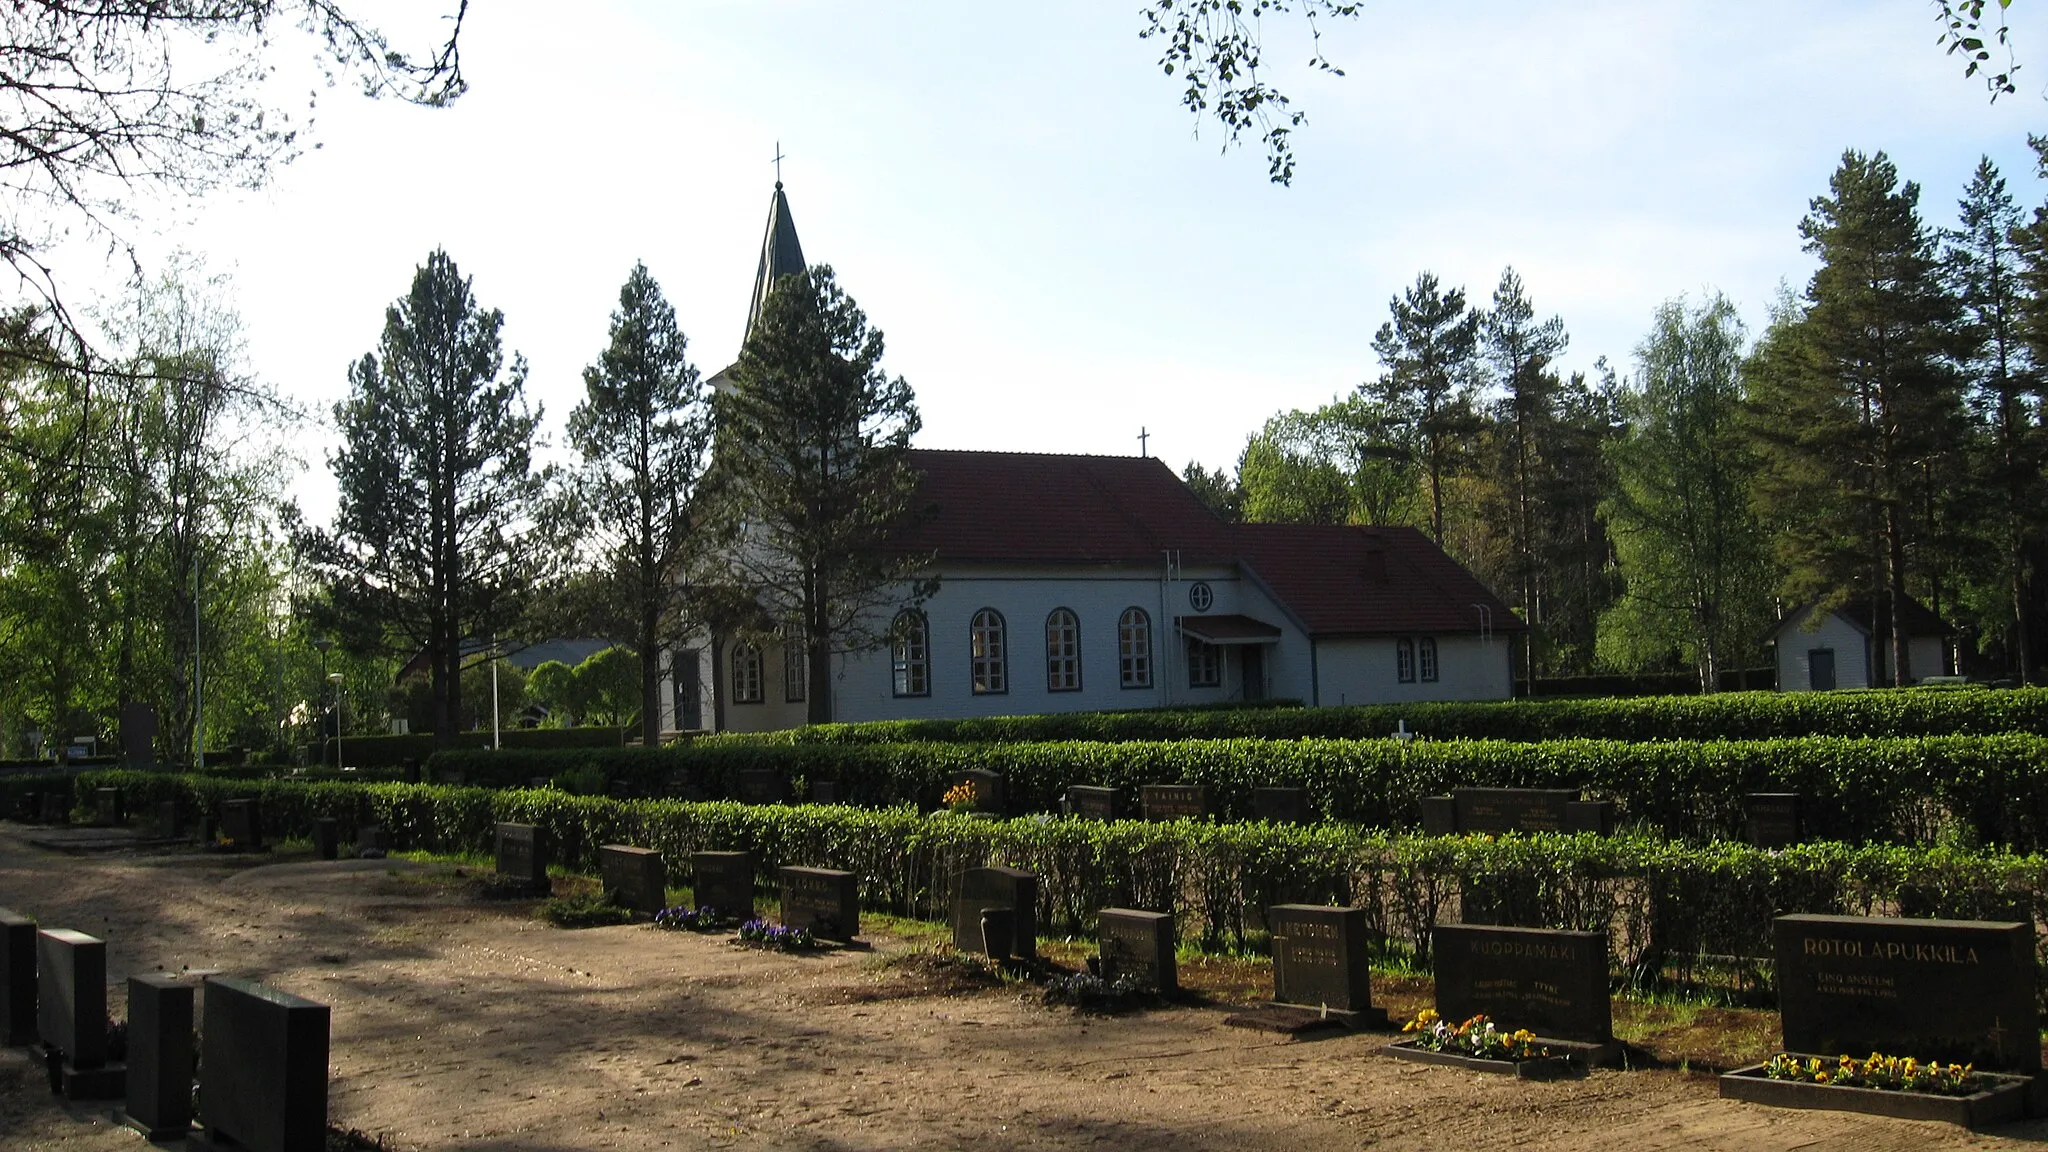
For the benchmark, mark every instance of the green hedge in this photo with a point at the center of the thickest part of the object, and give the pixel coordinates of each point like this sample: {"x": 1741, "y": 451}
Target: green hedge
{"x": 1728, "y": 716}
{"x": 1983, "y": 789}
{"x": 1676, "y": 913}
{"x": 392, "y": 751}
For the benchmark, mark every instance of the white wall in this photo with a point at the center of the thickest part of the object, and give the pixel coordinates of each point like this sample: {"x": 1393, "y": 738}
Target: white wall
{"x": 1364, "y": 671}
{"x": 1925, "y": 653}
{"x": 1851, "y": 645}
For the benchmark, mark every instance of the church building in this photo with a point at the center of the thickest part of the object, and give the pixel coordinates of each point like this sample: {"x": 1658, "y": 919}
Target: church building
{"x": 1071, "y": 583}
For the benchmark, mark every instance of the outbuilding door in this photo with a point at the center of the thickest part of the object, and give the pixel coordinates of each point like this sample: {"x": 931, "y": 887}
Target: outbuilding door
{"x": 1820, "y": 669}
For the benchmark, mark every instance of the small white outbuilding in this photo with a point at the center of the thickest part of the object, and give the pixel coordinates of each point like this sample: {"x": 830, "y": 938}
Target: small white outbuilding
{"x": 1848, "y": 646}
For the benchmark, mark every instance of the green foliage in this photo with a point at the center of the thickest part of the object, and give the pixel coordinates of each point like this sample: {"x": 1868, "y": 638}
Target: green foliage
{"x": 582, "y": 910}
{"x": 1428, "y": 348}
{"x": 391, "y": 751}
{"x": 1350, "y": 461}
{"x": 608, "y": 688}
{"x": 1218, "y": 491}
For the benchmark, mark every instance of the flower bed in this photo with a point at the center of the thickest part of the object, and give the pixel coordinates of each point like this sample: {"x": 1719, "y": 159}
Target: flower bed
{"x": 1882, "y": 1085}
{"x": 701, "y": 919}
{"x": 780, "y": 937}
{"x": 1479, "y": 1045}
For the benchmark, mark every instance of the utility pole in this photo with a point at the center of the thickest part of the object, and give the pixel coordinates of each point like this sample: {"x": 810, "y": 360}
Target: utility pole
{"x": 198, "y": 677}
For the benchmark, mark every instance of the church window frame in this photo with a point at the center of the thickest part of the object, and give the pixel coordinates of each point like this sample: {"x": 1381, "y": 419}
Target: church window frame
{"x": 1134, "y": 648}
{"x": 796, "y": 669}
{"x": 747, "y": 686}
{"x": 1062, "y": 651}
{"x": 1404, "y": 661}
{"x": 989, "y": 653}
{"x": 1205, "y": 663}
{"x": 1425, "y": 659}
{"x": 910, "y": 655}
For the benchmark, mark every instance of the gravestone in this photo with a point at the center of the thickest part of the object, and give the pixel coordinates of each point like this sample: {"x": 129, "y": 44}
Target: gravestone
{"x": 1139, "y": 945}
{"x": 1595, "y": 816}
{"x": 983, "y": 888}
{"x": 71, "y": 1014}
{"x": 1320, "y": 959}
{"x": 1949, "y": 990}
{"x": 824, "y": 901}
{"x": 1281, "y": 805}
{"x": 997, "y": 932}
{"x": 110, "y": 809}
{"x": 17, "y": 978}
{"x": 724, "y": 881}
{"x": 1772, "y": 819}
{"x": 522, "y": 857}
{"x": 1550, "y": 982}
{"x": 241, "y": 823}
{"x": 1091, "y": 802}
{"x": 138, "y": 735}
{"x": 170, "y": 824}
{"x": 326, "y": 838}
{"x": 159, "y": 1097}
{"x": 56, "y": 808}
{"x": 372, "y": 843}
{"x": 263, "y": 1063}
{"x": 1439, "y": 816}
{"x": 634, "y": 878}
{"x": 1512, "y": 809}
{"x": 824, "y": 791}
{"x": 1174, "y": 801}
{"x": 761, "y": 786}
{"x": 988, "y": 790}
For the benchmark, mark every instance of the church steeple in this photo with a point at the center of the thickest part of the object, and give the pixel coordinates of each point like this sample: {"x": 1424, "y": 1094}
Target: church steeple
{"x": 781, "y": 255}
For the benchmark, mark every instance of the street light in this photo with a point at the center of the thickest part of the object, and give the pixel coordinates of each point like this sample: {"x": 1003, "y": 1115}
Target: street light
{"x": 323, "y": 642}
{"x": 335, "y": 679}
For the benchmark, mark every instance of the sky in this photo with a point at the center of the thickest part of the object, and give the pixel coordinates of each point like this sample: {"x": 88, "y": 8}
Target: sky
{"x": 1059, "y": 254}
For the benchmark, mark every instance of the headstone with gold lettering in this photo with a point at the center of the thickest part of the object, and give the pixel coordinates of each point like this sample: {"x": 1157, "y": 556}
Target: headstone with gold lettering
{"x": 1949, "y": 990}
{"x": 1320, "y": 961}
{"x": 1550, "y": 982}
{"x": 824, "y": 901}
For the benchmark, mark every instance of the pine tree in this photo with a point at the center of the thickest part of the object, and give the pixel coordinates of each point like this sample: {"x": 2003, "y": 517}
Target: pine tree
{"x": 1428, "y": 349}
{"x": 1519, "y": 351}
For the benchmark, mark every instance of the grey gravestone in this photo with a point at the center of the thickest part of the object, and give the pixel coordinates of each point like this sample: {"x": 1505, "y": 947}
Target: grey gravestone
{"x": 1513, "y": 809}
{"x": 1439, "y": 816}
{"x": 71, "y": 995}
{"x": 1140, "y": 945}
{"x": 1550, "y": 982}
{"x": 823, "y": 900}
{"x": 989, "y": 795}
{"x": 984, "y": 888}
{"x": 241, "y": 822}
{"x": 1174, "y": 801}
{"x": 109, "y": 808}
{"x": 522, "y": 857}
{"x": 724, "y": 881}
{"x": 1772, "y": 819}
{"x": 56, "y": 808}
{"x": 1320, "y": 959}
{"x": 824, "y": 791}
{"x": 159, "y": 1103}
{"x": 1950, "y": 990}
{"x": 761, "y": 786}
{"x": 372, "y": 843}
{"x": 1091, "y": 802}
{"x": 17, "y": 978}
{"x": 263, "y": 1057}
{"x": 634, "y": 878}
{"x": 1281, "y": 805}
{"x": 169, "y": 824}
{"x": 326, "y": 837}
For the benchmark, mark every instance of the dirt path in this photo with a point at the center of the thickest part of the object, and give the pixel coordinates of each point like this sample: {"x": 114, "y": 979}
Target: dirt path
{"x": 459, "y": 1026}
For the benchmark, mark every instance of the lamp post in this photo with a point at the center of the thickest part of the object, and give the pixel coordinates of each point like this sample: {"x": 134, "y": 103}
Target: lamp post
{"x": 494, "y": 694}
{"x": 323, "y": 642}
{"x": 335, "y": 679}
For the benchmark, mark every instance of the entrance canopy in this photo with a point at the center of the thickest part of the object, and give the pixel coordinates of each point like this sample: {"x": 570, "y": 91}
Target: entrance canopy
{"x": 1228, "y": 628}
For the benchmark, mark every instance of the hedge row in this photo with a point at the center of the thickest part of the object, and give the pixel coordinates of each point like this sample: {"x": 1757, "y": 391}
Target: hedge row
{"x": 1679, "y": 913}
{"x": 1728, "y": 716}
{"x": 393, "y": 751}
{"x": 1981, "y": 789}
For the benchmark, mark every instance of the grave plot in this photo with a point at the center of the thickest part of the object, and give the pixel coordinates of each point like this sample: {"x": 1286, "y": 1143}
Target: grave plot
{"x": 824, "y": 902}
{"x": 521, "y": 858}
{"x": 1010, "y": 893}
{"x": 1138, "y": 946}
{"x": 1091, "y": 802}
{"x": 158, "y": 1101}
{"x": 1527, "y": 1001}
{"x": 1174, "y": 801}
{"x": 1944, "y": 1010}
{"x": 723, "y": 883}
{"x": 1499, "y": 810}
{"x": 634, "y": 878}
{"x": 1773, "y": 819}
{"x": 1322, "y": 972}
{"x": 263, "y": 1067}
{"x": 71, "y": 1015}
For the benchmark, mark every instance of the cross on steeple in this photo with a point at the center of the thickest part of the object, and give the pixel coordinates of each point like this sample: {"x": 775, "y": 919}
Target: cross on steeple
{"x": 1143, "y": 437}
{"x": 778, "y": 163}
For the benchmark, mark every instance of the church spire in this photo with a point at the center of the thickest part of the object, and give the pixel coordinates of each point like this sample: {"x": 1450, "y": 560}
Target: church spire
{"x": 781, "y": 255}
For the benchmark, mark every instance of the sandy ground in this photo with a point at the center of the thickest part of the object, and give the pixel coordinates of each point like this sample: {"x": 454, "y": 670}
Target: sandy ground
{"x": 465, "y": 1026}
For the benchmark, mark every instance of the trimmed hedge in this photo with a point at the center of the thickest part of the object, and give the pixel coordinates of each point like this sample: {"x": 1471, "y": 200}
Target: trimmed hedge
{"x": 1983, "y": 789}
{"x": 1728, "y": 716}
{"x": 1676, "y": 913}
{"x": 392, "y": 751}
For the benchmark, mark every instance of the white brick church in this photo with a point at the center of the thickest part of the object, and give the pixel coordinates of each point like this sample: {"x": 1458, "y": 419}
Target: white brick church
{"x": 1090, "y": 583}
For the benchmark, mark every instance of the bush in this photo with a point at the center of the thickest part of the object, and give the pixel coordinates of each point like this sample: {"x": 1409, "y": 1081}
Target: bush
{"x": 582, "y": 910}
{"x": 393, "y": 751}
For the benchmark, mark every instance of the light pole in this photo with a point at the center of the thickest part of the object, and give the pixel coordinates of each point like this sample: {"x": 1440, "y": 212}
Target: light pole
{"x": 494, "y": 694}
{"x": 335, "y": 679}
{"x": 323, "y": 642}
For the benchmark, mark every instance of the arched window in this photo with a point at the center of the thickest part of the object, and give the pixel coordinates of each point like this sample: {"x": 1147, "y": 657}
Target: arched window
{"x": 991, "y": 653}
{"x": 1425, "y": 658}
{"x": 1205, "y": 664}
{"x": 1062, "y": 651}
{"x": 1404, "y": 660}
{"x": 746, "y": 674}
{"x": 910, "y": 654}
{"x": 796, "y": 668}
{"x": 1134, "y": 648}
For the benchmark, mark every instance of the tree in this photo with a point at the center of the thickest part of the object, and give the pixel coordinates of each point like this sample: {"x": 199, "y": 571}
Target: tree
{"x": 432, "y": 540}
{"x": 1342, "y": 463}
{"x": 1428, "y": 349}
{"x": 812, "y": 472}
{"x": 1519, "y": 352}
{"x": 643, "y": 429}
{"x": 1218, "y": 491}
{"x": 1691, "y": 553}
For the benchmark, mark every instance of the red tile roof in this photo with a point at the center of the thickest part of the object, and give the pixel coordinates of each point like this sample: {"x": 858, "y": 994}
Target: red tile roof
{"x": 1339, "y": 580}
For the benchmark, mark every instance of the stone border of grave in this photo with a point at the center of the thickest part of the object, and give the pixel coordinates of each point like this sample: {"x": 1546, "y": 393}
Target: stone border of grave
{"x": 2002, "y": 1104}
{"x": 1553, "y": 1067}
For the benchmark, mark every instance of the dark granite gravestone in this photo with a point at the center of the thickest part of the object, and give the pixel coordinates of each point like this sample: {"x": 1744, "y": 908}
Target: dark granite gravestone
{"x": 17, "y": 978}
{"x": 760, "y": 786}
{"x": 824, "y": 791}
{"x": 1281, "y": 805}
{"x": 1139, "y": 945}
{"x": 823, "y": 900}
{"x": 989, "y": 795}
{"x": 1512, "y": 809}
{"x": 241, "y": 823}
{"x": 984, "y": 888}
{"x": 56, "y": 808}
{"x": 1320, "y": 959}
{"x": 71, "y": 1014}
{"x": 724, "y": 881}
{"x": 522, "y": 857}
{"x": 263, "y": 1068}
{"x": 138, "y": 736}
{"x": 634, "y": 878}
{"x": 159, "y": 1103}
{"x": 1550, "y": 982}
{"x": 1091, "y": 803}
{"x": 1772, "y": 819}
{"x": 998, "y": 931}
{"x": 326, "y": 838}
{"x": 1174, "y": 801}
{"x": 110, "y": 808}
{"x": 1595, "y": 816}
{"x": 1439, "y": 816}
{"x": 372, "y": 842}
{"x": 1949, "y": 990}
{"x": 170, "y": 824}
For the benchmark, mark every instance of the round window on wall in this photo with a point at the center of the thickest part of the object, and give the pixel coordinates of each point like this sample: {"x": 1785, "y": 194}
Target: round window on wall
{"x": 1200, "y": 596}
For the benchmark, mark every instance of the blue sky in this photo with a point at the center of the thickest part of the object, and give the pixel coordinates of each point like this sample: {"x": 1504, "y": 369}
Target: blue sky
{"x": 1016, "y": 198}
